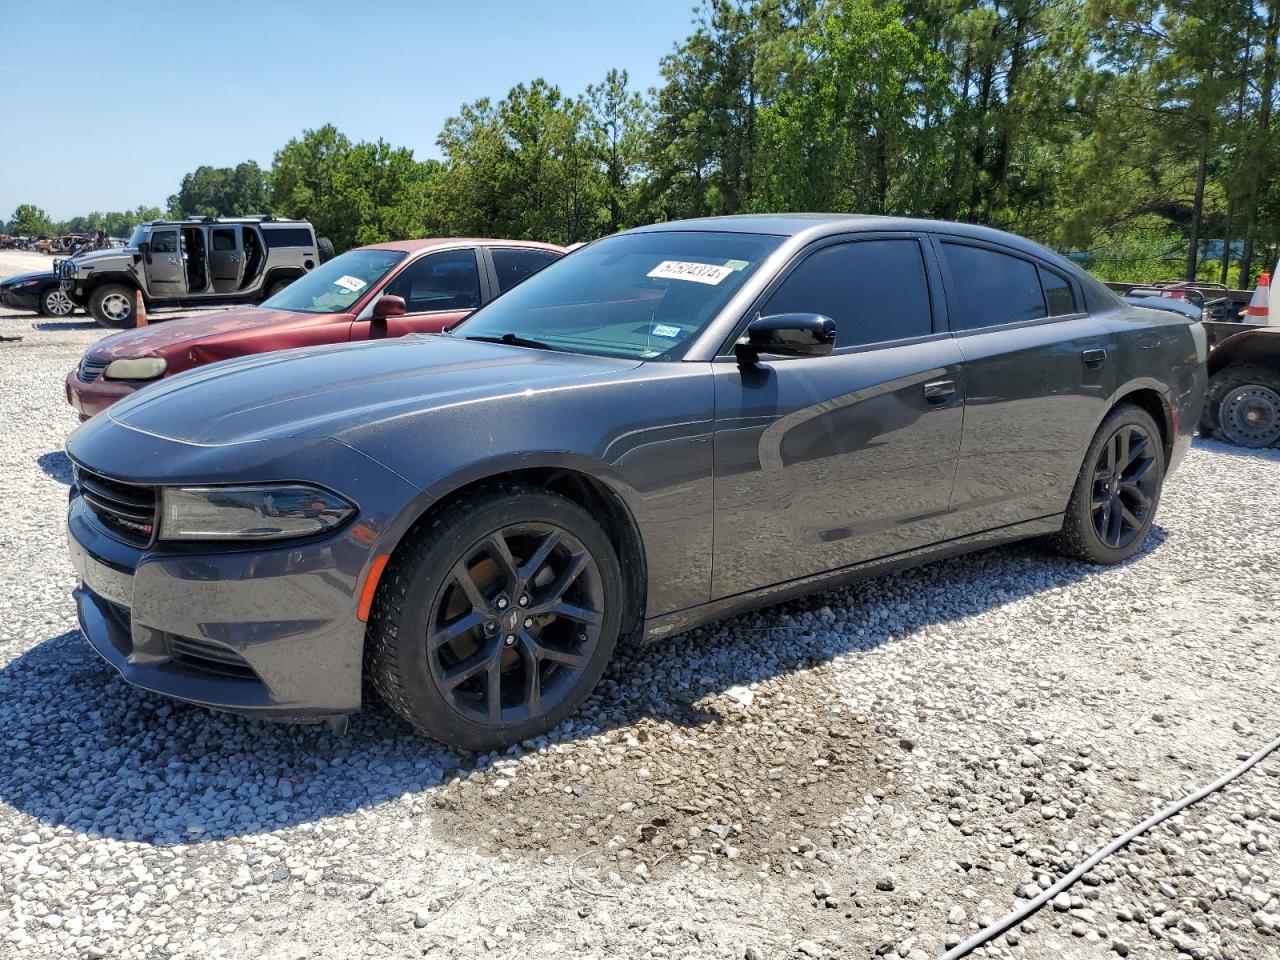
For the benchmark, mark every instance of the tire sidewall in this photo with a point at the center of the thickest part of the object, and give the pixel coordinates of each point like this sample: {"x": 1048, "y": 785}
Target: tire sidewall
{"x": 423, "y": 585}
{"x": 1097, "y": 550}
{"x": 95, "y": 307}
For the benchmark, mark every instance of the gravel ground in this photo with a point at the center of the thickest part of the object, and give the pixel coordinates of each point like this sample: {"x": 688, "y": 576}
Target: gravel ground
{"x": 874, "y": 771}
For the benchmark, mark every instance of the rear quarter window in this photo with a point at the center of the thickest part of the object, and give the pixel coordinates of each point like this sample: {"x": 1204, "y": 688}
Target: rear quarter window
{"x": 988, "y": 288}
{"x": 287, "y": 237}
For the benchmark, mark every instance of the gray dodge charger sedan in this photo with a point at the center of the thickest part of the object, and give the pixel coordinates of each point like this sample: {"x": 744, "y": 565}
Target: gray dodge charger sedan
{"x": 667, "y": 426}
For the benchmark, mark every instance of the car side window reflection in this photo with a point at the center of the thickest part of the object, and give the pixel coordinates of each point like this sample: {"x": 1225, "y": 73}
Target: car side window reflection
{"x": 439, "y": 281}
{"x": 875, "y": 291}
{"x": 989, "y": 288}
{"x": 164, "y": 241}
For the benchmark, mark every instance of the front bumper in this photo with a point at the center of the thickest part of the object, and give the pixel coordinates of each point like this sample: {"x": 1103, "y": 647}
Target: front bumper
{"x": 92, "y": 397}
{"x": 270, "y": 632}
{"x": 20, "y": 299}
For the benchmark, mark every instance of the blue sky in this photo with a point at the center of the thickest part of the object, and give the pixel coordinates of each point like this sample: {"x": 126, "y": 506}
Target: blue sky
{"x": 106, "y": 105}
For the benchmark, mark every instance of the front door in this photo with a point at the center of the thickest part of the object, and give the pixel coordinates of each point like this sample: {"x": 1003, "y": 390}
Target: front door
{"x": 226, "y": 259}
{"x": 827, "y": 462}
{"x": 1038, "y": 379}
{"x": 439, "y": 290}
{"x": 165, "y": 271}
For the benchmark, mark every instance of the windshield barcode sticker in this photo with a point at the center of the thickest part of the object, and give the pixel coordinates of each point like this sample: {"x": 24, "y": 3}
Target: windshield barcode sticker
{"x": 354, "y": 284}
{"x": 694, "y": 272}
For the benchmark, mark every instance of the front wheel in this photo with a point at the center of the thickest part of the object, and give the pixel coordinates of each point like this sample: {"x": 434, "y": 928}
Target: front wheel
{"x": 1116, "y": 494}
{"x": 495, "y": 621}
{"x": 54, "y": 302}
{"x": 1243, "y": 405}
{"x": 113, "y": 305}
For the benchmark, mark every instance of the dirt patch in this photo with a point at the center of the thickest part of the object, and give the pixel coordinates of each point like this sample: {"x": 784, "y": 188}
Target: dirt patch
{"x": 738, "y": 780}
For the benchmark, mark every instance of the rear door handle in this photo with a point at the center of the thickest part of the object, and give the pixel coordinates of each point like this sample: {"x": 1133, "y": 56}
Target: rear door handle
{"x": 1093, "y": 359}
{"x": 940, "y": 392}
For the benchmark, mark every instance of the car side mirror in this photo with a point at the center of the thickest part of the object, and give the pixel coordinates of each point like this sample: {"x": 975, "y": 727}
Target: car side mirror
{"x": 144, "y": 248}
{"x": 787, "y": 335}
{"x": 389, "y": 305}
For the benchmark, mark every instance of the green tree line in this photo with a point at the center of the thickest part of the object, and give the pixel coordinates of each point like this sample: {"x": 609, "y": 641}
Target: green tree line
{"x": 1138, "y": 132}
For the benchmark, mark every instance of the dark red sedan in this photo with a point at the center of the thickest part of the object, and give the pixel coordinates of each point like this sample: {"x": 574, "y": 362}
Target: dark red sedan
{"x": 382, "y": 290}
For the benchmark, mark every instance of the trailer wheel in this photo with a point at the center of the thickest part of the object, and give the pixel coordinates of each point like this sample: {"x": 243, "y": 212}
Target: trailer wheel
{"x": 1243, "y": 405}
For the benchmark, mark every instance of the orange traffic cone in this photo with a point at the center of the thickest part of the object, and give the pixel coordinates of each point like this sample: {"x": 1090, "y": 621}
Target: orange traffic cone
{"x": 142, "y": 309}
{"x": 1259, "y": 304}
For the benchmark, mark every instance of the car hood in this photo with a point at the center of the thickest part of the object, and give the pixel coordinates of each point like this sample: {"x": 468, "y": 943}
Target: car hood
{"x": 94, "y": 257}
{"x": 330, "y": 391}
{"x": 160, "y": 339}
{"x": 24, "y": 277}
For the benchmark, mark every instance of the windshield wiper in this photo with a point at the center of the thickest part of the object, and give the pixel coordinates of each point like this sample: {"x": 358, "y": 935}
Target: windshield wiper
{"x": 514, "y": 340}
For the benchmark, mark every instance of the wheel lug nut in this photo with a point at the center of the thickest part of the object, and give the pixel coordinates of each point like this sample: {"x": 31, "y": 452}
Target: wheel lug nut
{"x": 510, "y": 640}
{"x": 502, "y": 603}
{"x": 524, "y": 600}
{"x": 528, "y": 621}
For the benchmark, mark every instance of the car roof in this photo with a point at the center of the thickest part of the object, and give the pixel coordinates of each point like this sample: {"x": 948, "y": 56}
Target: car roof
{"x": 806, "y": 227}
{"x": 413, "y": 246}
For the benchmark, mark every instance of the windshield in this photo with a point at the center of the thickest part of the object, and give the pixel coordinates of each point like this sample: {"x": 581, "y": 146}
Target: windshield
{"x": 139, "y": 234}
{"x": 635, "y": 295}
{"x": 333, "y": 287}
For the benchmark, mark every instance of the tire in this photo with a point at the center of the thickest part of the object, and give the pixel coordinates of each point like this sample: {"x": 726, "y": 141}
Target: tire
{"x": 276, "y": 287}
{"x": 324, "y": 247}
{"x": 1092, "y": 529}
{"x": 426, "y": 622}
{"x": 109, "y": 310}
{"x": 1242, "y": 405}
{"x": 55, "y": 303}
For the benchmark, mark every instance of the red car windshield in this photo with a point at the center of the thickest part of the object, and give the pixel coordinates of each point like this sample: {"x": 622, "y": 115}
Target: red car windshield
{"x": 333, "y": 287}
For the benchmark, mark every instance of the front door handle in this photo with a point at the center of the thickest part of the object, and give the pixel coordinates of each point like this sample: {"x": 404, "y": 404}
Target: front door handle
{"x": 1093, "y": 359}
{"x": 940, "y": 392}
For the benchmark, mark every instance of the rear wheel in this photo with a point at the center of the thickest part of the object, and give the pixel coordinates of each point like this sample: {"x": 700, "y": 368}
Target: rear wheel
{"x": 1116, "y": 494}
{"x": 54, "y": 302}
{"x": 113, "y": 305}
{"x": 494, "y": 623}
{"x": 275, "y": 288}
{"x": 1243, "y": 405}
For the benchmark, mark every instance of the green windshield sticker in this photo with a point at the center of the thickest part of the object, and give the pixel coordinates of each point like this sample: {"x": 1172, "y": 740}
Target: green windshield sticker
{"x": 736, "y": 264}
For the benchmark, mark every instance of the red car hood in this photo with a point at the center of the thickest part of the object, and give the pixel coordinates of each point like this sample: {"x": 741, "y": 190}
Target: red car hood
{"x": 160, "y": 339}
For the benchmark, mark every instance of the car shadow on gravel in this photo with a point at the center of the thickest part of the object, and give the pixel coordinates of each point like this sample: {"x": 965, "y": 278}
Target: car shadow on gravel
{"x": 1231, "y": 450}
{"x": 56, "y": 465}
{"x": 57, "y": 325}
{"x": 80, "y": 748}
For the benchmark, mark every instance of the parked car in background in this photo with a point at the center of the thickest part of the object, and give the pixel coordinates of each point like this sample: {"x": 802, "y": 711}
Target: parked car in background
{"x": 38, "y": 292}
{"x": 370, "y": 293}
{"x": 665, "y": 427}
{"x": 198, "y": 260}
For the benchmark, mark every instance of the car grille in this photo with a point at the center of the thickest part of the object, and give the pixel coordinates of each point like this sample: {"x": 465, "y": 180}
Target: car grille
{"x": 126, "y": 508}
{"x": 208, "y": 657}
{"x": 90, "y": 369}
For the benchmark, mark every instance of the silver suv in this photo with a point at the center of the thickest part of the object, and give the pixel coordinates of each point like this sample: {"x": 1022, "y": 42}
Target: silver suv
{"x": 229, "y": 260}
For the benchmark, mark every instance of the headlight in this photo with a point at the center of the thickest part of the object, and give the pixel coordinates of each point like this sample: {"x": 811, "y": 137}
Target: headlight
{"x": 26, "y": 283}
{"x": 267, "y": 512}
{"x": 136, "y": 368}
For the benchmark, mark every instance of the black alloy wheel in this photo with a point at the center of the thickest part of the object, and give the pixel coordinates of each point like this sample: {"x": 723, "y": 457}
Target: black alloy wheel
{"x": 1125, "y": 483}
{"x": 496, "y": 616}
{"x": 516, "y": 624}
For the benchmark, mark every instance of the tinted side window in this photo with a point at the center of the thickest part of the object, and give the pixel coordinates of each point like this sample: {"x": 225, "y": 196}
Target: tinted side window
{"x": 513, "y": 265}
{"x": 439, "y": 281}
{"x": 875, "y": 290}
{"x": 224, "y": 239}
{"x": 287, "y": 236}
{"x": 1057, "y": 293}
{"x": 990, "y": 288}
{"x": 164, "y": 241}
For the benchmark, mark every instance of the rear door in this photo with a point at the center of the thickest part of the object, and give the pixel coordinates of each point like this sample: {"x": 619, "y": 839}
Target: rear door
{"x": 226, "y": 259}
{"x": 511, "y": 265}
{"x": 830, "y": 461}
{"x": 439, "y": 289}
{"x": 165, "y": 271}
{"x": 1039, "y": 371}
